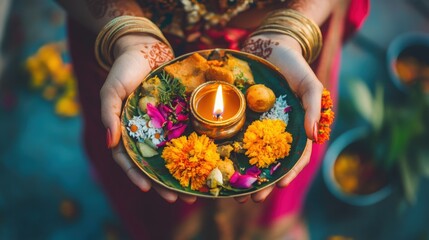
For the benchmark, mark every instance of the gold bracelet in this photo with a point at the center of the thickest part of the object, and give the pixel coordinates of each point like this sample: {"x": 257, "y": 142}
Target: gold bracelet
{"x": 119, "y": 27}
{"x": 294, "y": 24}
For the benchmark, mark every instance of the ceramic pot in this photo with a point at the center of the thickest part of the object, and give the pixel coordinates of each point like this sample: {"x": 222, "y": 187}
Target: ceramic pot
{"x": 335, "y": 149}
{"x": 411, "y": 44}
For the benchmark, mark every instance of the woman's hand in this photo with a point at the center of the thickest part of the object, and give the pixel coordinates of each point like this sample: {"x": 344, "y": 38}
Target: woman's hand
{"x": 135, "y": 56}
{"x": 285, "y": 53}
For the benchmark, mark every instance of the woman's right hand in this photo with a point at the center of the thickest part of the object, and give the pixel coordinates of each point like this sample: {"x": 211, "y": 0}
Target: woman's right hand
{"x": 135, "y": 56}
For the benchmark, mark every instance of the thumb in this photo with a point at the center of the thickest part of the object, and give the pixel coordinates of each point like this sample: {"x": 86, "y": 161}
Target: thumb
{"x": 111, "y": 105}
{"x": 126, "y": 74}
{"x": 311, "y": 100}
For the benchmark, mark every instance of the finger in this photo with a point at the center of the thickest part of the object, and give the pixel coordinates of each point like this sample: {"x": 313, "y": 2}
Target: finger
{"x": 304, "y": 83}
{"x": 165, "y": 193}
{"x": 242, "y": 199}
{"x": 311, "y": 96}
{"x": 125, "y": 75}
{"x": 297, "y": 168}
{"x": 133, "y": 173}
{"x": 189, "y": 199}
{"x": 111, "y": 105}
{"x": 263, "y": 194}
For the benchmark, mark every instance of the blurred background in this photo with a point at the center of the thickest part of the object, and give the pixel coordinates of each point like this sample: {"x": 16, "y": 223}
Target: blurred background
{"x": 366, "y": 189}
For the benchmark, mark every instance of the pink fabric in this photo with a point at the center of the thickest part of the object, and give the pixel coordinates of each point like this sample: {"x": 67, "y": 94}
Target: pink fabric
{"x": 146, "y": 215}
{"x": 356, "y": 15}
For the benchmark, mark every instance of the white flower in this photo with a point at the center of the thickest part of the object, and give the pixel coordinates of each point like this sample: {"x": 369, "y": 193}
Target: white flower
{"x": 278, "y": 111}
{"x": 142, "y": 129}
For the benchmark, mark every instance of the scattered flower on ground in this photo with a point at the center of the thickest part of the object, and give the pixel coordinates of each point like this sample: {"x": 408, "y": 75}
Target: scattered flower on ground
{"x": 54, "y": 78}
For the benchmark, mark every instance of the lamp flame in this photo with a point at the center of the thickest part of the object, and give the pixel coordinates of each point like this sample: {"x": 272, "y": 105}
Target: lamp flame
{"x": 218, "y": 106}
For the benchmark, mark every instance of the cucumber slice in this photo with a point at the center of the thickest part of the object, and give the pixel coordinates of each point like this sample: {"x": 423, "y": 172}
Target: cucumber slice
{"x": 146, "y": 150}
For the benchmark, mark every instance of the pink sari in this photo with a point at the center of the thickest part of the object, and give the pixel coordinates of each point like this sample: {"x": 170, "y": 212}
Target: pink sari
{"x": 146, "y": 215}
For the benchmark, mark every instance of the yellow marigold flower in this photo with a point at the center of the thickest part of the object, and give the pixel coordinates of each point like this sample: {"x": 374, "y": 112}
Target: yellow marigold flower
{"x": 67, "y": 107}
{"x": 266, "y": 141}
{"x": 191, "y": 159}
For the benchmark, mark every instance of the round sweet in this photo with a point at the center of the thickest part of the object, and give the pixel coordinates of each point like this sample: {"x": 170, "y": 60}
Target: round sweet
{"x": 260, "y": 98}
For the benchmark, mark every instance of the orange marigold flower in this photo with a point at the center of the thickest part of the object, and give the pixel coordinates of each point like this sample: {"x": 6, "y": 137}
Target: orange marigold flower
{"x": 326, "y": 118}
{"x": 266, "y": 141}
{"x": 191, "y": 159}
{"x": 326, "y": 99}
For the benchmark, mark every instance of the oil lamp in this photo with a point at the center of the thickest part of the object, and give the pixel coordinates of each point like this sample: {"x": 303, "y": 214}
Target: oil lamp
{"x": 218, "y": 109}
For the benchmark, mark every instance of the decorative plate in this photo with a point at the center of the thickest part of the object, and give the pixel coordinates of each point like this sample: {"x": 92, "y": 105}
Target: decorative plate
{"x": 263, "y": 73}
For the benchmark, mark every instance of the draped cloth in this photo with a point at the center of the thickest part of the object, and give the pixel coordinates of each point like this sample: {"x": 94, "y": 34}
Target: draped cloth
{"x": 147, "y": 215}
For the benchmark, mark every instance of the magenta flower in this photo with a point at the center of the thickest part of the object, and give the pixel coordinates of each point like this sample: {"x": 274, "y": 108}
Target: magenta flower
{"x": 176, "y": 131}
{"x": 246, "y": 180}
{"x": 253, "y": 171}
{"x": 156, "y": 117}
{"x": 288, "y": 109}
{"x": 172, "y": 118}
{"x": 238, "y": 180}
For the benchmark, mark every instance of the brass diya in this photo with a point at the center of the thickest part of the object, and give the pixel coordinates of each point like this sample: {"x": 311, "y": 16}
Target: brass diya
{"x": 214, "y": 120}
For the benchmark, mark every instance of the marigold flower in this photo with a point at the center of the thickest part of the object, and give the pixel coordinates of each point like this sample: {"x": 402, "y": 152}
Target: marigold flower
{"x": 266, "y": 141}
{"x": 191, "y": 159}
{"x": 326, "y": 117}
{"x": 326, "y": 99}
{"x": 67, "y": 107}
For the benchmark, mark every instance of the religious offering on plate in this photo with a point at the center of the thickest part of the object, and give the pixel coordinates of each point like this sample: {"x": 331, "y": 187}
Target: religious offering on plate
{"x": 214, "y": 123}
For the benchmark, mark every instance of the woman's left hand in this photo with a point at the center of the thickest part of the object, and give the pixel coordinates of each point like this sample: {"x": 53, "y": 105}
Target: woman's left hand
{"x": 285, "y": 53}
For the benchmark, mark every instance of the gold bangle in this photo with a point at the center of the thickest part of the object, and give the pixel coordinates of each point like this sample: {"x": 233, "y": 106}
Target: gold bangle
{"x": 118, "y": 27}
{"x": 297, "y": 26}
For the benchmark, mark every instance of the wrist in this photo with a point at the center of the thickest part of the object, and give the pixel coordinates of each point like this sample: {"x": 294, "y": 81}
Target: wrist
{"x": 133, "y": 31}
{"x": 132, "y": 41}
{"x": 265, "y": 41}
{"x": 295, "y": 25}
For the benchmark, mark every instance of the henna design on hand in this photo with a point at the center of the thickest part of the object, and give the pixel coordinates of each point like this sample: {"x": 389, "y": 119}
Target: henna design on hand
{"x": 157, "y": 54}
{"x": 260, "y": 47}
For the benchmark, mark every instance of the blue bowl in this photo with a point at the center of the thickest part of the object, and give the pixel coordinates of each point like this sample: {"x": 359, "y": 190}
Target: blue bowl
{"x": 397, "y": 46}
{"x": 332, "y": 153}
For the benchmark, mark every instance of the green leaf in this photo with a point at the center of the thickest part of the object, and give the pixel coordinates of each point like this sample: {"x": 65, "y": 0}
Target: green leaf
{"x": 362, "y": 99}
{"x": 410, "y": 180}
{"x": 170, "y": 88}
{"x": 378, "y": 108}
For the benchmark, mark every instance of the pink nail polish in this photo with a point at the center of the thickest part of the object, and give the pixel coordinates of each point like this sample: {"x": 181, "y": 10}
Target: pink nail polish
{"x": 108, "y": 138}
{"x": 315, "y": 131}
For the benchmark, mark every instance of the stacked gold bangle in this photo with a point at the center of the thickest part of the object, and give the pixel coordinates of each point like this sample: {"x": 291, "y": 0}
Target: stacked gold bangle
{"x": 296, "y": 25}
{"x": 117, "y": 28}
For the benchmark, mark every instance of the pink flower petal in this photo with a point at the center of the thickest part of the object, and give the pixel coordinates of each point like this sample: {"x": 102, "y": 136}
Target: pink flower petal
{"x": 288, "y": 109}
{"x": 182, "y": 117}
{"x": 274, "y": 168}
{"x": 169, "y": 125}
{"x": 242, "y": 181}
{"x": 161, "y": 144}
{"x": 176, "y": 131}
{"x": 253, "y": 171}
{"x": 165, "y": 110}
{"x": 156, "y": 117}
{"x": 179, "y": 108}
